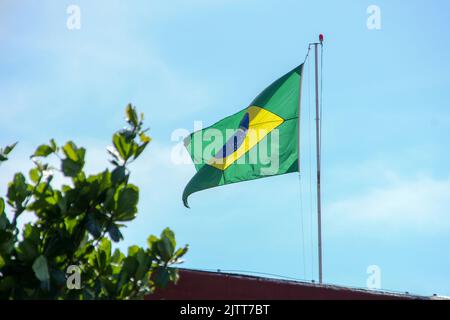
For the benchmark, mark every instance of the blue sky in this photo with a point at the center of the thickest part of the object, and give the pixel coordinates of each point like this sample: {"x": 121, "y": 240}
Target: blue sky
{"x": 386, "y": 174}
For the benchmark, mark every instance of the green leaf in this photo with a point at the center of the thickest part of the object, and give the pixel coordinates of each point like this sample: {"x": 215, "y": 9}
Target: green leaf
{"x": 151, "y": 241}
{"x": 20, "y": 183}
{"x": 93, "y": 226}
{"x": 166, "y": 245}
{"x": 18, "y": 190}
{"x": 8, "y": 239}
{"x": 140, "y": 149}
{"x": 7, "y": 283}
{"x": 161, "y": 277}
{"x": 72, "y": 165}
{"x": 71, "y": 151}
{"x": 113, "y": 152}
{"x": 34, "y": 175}
{"x": 43, "y": 151}
{"x": 131, "y": 115}
{"x": 114, "y": 233}
{"x": 9, "y": 148}
{"x": 117, "y": 256}
{"x": 127, "y": 201}
{"x": 118, "y": 175}
{"x": 145, "y": 138}
{"x": 6, "y": 151}
{"x": 31, "y": 232}
{"x": 133, "y": 250}
{"x": 4, "y": 224}
{"x": 179, "y": 253}
{"x": 165, "y": 249}
{"x": 144, "y": 261}
{"x": 70, "y": 224}
{"x": 104, "y": 253}
{"x": 122, "y": 146}
{"x": 40, "y": 268}
{"x": 53, "y": 145}
{"x": 2, "y": 262}
{"x": 130, "y": 264}
{"x": 170, "y": 236}
{"x": 109, "y": 199}
{"x": 71, "y": 168}
{"x": 2, "y": 206}
{"x": 105, "y": 245}
{"x": 27, "y": 250}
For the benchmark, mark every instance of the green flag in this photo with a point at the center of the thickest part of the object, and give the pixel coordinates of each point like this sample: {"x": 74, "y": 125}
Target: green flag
{"x": 257, "y": 142}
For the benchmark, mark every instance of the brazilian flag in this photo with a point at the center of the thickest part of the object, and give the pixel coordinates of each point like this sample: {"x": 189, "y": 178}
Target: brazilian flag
{"x": 257, "y": 142}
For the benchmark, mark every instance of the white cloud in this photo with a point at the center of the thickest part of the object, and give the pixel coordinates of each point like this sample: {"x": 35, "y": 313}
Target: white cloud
{"x": 419, "y": 204}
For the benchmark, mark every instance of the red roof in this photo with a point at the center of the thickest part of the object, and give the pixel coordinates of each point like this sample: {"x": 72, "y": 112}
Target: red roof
{"x": 202, "y": 285}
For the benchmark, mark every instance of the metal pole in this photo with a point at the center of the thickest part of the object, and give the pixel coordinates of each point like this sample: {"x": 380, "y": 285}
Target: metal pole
{"x": 319, "y": 209}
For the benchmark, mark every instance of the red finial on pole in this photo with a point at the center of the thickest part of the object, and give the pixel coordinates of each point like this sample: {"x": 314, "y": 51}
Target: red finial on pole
{"x": 321, "y": 38}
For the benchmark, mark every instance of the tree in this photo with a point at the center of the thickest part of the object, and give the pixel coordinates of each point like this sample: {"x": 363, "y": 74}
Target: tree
{"x": 71, "y": 235}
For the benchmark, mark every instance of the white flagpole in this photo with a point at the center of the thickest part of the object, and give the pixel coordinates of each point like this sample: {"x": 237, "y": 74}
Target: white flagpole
{"x": 319, "y": 205}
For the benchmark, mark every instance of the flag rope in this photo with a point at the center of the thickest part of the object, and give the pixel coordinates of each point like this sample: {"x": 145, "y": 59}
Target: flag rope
{"x": 310, "y": 170}
{"x": 300, "y": 172}
{"x": 321, "y": 121}
{"x": 302, "y": 222}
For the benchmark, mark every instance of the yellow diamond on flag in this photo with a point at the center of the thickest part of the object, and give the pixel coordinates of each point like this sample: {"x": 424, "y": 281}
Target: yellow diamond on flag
{"x": 255, "y": 125}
